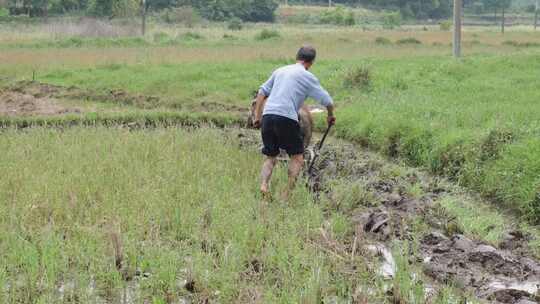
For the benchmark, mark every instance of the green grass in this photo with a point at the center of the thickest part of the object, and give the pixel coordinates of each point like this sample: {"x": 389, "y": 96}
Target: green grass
{"x": 473, "y": 120}
{"x": 462, "y": 119}
{"x": 183, "y": 204}
{"x": 129, "y": 118}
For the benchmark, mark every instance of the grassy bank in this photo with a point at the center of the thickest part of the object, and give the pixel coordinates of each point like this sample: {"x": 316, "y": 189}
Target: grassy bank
{"x": 473, "y": 120}
{"x": 132, "y": 119}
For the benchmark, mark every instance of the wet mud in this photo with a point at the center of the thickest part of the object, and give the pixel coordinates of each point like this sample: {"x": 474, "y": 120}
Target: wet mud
{"x": 508, "y": 274}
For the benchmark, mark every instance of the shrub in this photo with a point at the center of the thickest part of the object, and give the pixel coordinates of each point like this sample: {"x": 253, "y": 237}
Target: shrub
{"x": 382, "y": 41}
{"x": 337, "y": 16}
{"x": 186, "y": 15}
{"x": 3, "y": 12}
{"x": 358, "y": 77}
{"x": 391, "y": 20}
{"x": 248, "y": 10}
{"x": 409, "y": 40}
{"x": 302, "y": 18}
{"x": 229, "y": 37}
{"x": 235, "y": 24}
{"x": 267, "y": 34}
{"x": 445, "y": 25}
{"x": 349, "y": 19}
{"x": 191, "y": 36}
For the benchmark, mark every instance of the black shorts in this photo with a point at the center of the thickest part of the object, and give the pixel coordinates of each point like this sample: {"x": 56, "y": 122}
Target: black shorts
{"x": 280, "y": 132}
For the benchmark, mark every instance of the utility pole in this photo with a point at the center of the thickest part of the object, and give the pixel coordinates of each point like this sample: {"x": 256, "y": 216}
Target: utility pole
{"x": 502, "y": 21}
{"x": 329, "y": 3}
{"x": 536, "y": 7}
{"x": 143, "y": 16}
{"x": 458, "y": 6}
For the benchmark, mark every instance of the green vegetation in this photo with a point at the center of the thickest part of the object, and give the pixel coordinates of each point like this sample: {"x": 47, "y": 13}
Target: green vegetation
{"x": 158, "y": 215}
{"x": 267, "y": 34}
{"x": 180, "y": 208}
{"x": 128, "y": 118}
{"x": 459, "y": 119}
{"x": 409, "y": 40}
{"x": 167, "y": 198}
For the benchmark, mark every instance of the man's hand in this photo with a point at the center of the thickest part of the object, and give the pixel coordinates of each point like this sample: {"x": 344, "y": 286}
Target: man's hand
{"x": 257, "y": 123}
{"x": 331, "y": 120}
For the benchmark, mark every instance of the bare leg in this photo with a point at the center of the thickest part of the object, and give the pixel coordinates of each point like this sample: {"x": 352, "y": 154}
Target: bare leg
{"x": 295, "y": 166}
{"x": 266, "y": 173}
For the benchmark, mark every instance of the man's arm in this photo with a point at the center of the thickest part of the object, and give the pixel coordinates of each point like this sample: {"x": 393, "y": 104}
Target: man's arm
{"x": 318, "y": 93}
{"x": 263, "y": 94}
{"x": 260, "y": 101}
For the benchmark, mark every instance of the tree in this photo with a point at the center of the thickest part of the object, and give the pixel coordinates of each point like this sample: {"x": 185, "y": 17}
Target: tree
{"x": 113, "y": 8}
{"x": 246, "y": 10}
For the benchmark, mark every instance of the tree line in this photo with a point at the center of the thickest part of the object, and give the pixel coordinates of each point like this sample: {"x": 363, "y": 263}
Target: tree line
{"x": 245, "y": 10}
{"x": 218, "y": 10}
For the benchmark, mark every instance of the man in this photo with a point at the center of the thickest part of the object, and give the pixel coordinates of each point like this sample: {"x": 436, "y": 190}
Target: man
{"x": 282, "y": 96}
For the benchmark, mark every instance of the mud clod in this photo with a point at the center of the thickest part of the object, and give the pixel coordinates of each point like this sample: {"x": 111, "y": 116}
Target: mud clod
{"x": 435, "y": 238}
{"x": 462, "y": 243}
{"x": 377, "y": 222}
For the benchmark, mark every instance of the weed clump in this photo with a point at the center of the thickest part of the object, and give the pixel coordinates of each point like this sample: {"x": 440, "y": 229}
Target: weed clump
{"x": 494, "y": 143}
{"x": 338, "y": 16}
{"x": 410, "y": 40}
{"x": 235, "y": 24}
{"x": 267, "y": 34}
{"x": 382, "y": 41}
{"x": 358, "y": 77}
{"x": 189, "y": 36}
{"x": 229, "y": 37}
{"x": 446, "y": 25}
{"x": 391, "y": 20}
{"x": 521, "y": 44}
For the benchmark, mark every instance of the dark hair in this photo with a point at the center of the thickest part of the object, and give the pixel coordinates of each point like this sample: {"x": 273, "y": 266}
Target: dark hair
{"x": 306, "y": 54}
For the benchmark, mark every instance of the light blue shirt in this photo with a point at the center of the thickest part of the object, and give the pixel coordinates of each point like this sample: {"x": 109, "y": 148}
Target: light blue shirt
{"x": 288, "y": 88}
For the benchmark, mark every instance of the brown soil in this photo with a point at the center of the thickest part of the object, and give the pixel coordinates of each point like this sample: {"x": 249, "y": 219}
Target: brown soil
{"x": 21, "y": 104}
{"x": 499, "y": 275}
{"x": 117, "y": 96}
